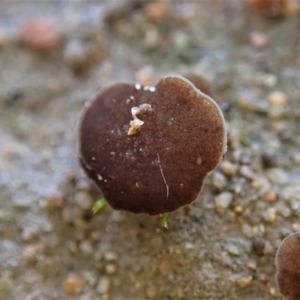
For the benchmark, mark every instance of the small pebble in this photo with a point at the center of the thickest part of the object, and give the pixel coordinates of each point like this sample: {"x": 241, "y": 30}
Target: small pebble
{"x": 84, "y": 200}
{"x": 258, "y": 230}
{"x": 269, "y": 249}
{"x": 232, "y": 249}
{"x": 245, "y": 104}
{"x": 146, "y": 76}
{"x": 152, "y": 39}
{"x": 277, "y": 98}
{"x": 189, "y": 246}
{"x": 74, "y": 284}
{"x": 110, "y": 256}
{"x": 53, "y": 202}
{"x": 259, "y": 40}
{"x": 263, "y": 278}
{"x": 292, "y": 7}
{"x": 223, "y": 200}
{"x": 262, "y": 184}
{"x": 295, "y": 205}
{"x": 164, "y": 267}
{"x": 277, "y": 176}
{"x": 268, "y": 8}
{"x": 283, "y": 209}
{"x": 246, "y": 172}
{"x": 247, "y": 230}
{"x": 269, "y": 215}
{"x": 39, "y": 34}
{"x": 272, "y": 291}
{"x": 271, "y": 197}
{"x": 30, "y": 232}
{"x": 86, "y": 247}
{"x": 267, "y": 80}
{"x": 296, "y": 227}
{"x": 251, "y": 266}
{"x": 103, "y": 285}
{"x": 30, "y": 253}
{"x": 7, "y": 286}
{"x": 245, "y": 281}
{"x": 219, "y": 180}
{"x": 150, "y": 292}
{"x": 156, "y": 11}
{"x": 296, "y": 158}
{"x": 276, "y": 113}
{"x": 90, "y": 277}
{"x": 228, "y": 168}
{"x": 110, "y": 269}
{"x": 72, "y": 247}
{"x": 31, "y": 277}
{"x": 238, "y": 209}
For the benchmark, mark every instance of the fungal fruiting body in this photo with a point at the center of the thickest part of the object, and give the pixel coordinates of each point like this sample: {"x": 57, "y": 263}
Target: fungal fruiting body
{"x": 149, "y": 149}
{"x": 288, "y": 267}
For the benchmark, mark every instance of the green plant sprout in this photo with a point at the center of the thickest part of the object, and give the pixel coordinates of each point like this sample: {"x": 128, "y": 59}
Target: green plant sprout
{"x": 164, "y": 220}
{"x": 99, "y": 204}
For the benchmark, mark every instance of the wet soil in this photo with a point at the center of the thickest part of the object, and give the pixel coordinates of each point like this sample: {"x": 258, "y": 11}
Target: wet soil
{"x": 221, "y": 247}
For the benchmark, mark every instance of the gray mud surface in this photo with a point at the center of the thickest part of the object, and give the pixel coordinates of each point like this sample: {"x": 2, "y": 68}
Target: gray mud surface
{"x": 222, "y": 246}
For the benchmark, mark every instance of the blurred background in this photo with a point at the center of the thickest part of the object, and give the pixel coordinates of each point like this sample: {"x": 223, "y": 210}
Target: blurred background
{"x": 55, "y": 55}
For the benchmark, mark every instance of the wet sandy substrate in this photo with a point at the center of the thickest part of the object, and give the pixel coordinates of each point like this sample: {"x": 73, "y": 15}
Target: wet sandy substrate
{"x": 52, "y": 245}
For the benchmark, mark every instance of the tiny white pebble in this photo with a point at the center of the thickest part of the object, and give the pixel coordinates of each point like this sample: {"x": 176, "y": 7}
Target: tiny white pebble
{"x": 131, "y": 97}
{"x": 152, "y": 89}
{"x": 100, "y": 177}
{"x": 138, "y": 86}
{"x": 146, "y": 88}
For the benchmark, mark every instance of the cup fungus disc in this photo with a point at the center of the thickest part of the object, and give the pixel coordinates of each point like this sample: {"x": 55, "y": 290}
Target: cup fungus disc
{"x": 149, "y": 149}
{"x": 288, "y": 267}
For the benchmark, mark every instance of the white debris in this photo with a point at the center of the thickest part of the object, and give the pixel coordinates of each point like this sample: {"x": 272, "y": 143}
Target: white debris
{"x": 135, "y": 126}
{"x": 136, "y": 123}
{"x": 138, "y": 86}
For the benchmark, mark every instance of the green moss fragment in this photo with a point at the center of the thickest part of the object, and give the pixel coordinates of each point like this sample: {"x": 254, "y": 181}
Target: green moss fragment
{"x": 99, "y": 204}
{"x": 164, "y": 220}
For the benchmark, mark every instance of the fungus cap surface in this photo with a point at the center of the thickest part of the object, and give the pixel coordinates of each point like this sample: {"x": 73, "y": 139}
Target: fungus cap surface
{"x": 161, "y": 164}
{"x": 288, "y": 267}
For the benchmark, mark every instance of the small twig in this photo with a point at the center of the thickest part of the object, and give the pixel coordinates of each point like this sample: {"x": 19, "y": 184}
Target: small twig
{"x": 162, "y": 174}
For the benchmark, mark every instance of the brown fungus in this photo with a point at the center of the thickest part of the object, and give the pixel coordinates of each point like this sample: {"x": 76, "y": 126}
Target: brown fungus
{"x": 149, "y": 148}
{"x": 288, "y": 267}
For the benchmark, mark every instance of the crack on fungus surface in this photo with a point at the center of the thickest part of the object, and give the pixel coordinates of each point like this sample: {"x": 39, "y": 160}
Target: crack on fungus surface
{"x": 162, "y": 174}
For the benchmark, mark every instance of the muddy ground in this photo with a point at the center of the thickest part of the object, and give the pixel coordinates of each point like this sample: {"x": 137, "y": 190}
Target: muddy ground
{"x": 222, "y": 246}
